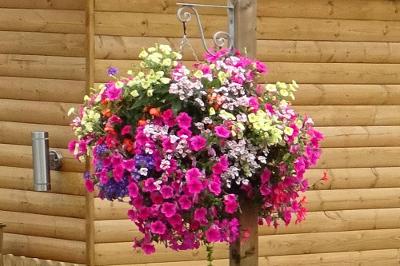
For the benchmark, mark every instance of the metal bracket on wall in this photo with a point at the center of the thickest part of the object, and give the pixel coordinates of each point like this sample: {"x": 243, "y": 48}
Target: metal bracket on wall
{"x": 220, "y": 38}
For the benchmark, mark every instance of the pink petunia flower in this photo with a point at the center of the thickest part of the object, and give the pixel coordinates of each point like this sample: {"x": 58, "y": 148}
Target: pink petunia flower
{"x": 200, "y": 215}
{"x": 213, "y": 234}
{"x": 198, "y": 143}
{"x": 168, "y": 209}
{"x": 184, "y": 120}
{"x": 113, "y": 93}
{"x": 148, "y": 248}
{"x": 185, "y": 202}
{"x": 89, "y": 185}
{"x": 231, "y": 203}
{"x": 167, "y": 192}
{"x": 193, "y": 181}
{"x": 168, "y": 117}
{"x": 215, "y": 186}
{"x": 184, "y": 131}
{"x": 127, "y": 129}
{"x": 133, "y": 190}
{"x": 253, "y": 103}
{"x": 222, "y": 132}
{"x": 158, "y": 227}
{"x": 265, "y": 176}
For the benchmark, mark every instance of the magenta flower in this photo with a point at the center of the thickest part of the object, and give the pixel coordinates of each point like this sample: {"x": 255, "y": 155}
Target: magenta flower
{"x": 113, "y": 93}
{"x": 168, "y": 209}
{"x": 118, "y": 172}
{"x": 185, "y": 202}
{"x": 200, "y": 215}
{"x": 71, "y": 146}
{"x": 167, "y": 192}
{"x": 156, "y": 197}
{"x": 261, "y": 67}
{"x": 158, "y": 227}
{"x": 126, "y": 130}
{"x": 89, "y": 185}
{"x": 198, "y": 143}
{"x": 184, "y": 120}
{"x": 194, "y": 184}
{"x": 184, "y": 131}
{"x": 213, "y": 234}
{"x": 230, "y": 203}
{"x": 265, "y": 176}
{"x": 149, "y": 185}
{"x": 129, "y": 164}
{"x": 253, "y": 103}
{"x": 222, "y": 132}
{"x": 215, "y": 186}
{"x": 148, "y": 248}
{"x": 168, "y": 117}
{"x": 133, "y": 190}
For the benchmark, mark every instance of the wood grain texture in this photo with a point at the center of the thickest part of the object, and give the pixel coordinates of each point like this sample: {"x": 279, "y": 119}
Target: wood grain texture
{"x": 335, "y": 9}
{"x": 20, "y": 133}
{"x": 43, "y": 225}
{"x": 121, "y": 253}
{"x": 314, "y": 73}
{"x": 39, "y": 66}
{"x": 356, "y": 136}
{"x": 45, "y": 90}
{"x": 44, "y": 4}
{"x": 351, "y": 178}
{"x": 10, "y": 259}
{"x": 22, "y": 179}
{"x": 42, "y": 20}
{"x": 113, "y": 231}
{"x": 21, "y": 156}
{"x": 37, "y": 43}
{"x": 125, "y": 47}
{"x": 42, "y": 203}
{"x": 49, "y": 113}
{"x": 43, "y": 247}
{"x": 347, "y": 94}
{"x": 269, "y": 28}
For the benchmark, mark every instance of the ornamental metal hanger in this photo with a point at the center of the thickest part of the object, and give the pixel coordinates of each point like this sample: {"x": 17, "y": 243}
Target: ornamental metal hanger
{"x": 220, "y": 38}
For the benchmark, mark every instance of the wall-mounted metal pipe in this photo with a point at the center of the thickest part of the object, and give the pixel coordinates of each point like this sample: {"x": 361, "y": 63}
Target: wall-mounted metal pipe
{"x": 40, "y": 157}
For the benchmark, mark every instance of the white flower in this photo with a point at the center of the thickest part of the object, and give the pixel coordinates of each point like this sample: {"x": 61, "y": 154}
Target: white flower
{"x": 134, "y": 93}
{"x": 71, "y": 111}
{"x": 143, "y": 171}
{"x": 143, "y": 54}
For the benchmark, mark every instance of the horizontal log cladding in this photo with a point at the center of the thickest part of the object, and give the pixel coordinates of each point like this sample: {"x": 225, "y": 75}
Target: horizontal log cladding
{"x": 335, "y": 9}
{"x": 166, "y": 25}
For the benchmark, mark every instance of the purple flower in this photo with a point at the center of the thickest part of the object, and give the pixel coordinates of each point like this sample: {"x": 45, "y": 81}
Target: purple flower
{"x": 222, "y": 132}
{"x": 112, "y": 71}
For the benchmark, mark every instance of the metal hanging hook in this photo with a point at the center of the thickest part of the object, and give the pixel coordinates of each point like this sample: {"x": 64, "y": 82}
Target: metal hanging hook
{"x": 220, "y": 38}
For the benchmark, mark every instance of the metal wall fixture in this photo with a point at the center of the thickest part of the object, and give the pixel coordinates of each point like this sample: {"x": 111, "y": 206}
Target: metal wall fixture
{"x": 220, "y": 38}
{"x": 44, "y": 160}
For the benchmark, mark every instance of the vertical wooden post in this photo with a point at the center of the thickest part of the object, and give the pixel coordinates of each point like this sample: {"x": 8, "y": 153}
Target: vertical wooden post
{"x": 1, "y": 244}
{"x": 244, "y": 252}
{"x": 90, "y": 57}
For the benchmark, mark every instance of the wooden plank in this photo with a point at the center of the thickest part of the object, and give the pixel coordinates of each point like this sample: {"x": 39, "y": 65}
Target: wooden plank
{"x": 344, "y": 199}
{"x": 113, "y": 231}
{"x": 53, "y": 113}
{"x": 22, "y": 178}
{"x": 348, "y": 178}
{"x": 45, "y": 248}
{"x": 37, "y": 43}
{"x": 352, "y": 115}
{"x": 318, "y": 200}
{"x": 364, "y": 258}
{"x": 356, "y": 136}
{"x": 125, "y": 47}
{"x": 42, "y": 203}
{"x": 21, "y": 156}
{"x": 10, "y": 259}
{"x": 347, "y": 94}
{"x": 20, "y": 133}
{"x": 39, "y": 66}
{"x": 336, "y": 9}
{"x": 359, "y": 157}
{"x": 42, "y": 20}
{"x": 35, "y": 89}
{"x": 44, "y": 4}
{"x": 166, "y": 25}
{"x": 43, "y": 225}
{"x": 121, "y": 253}
{"x": 314, "y": 73}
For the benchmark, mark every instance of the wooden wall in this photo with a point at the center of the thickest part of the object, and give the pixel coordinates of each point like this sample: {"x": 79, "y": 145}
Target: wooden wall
{"x": 346, "y": 56}
{"x": 42, "y": 74}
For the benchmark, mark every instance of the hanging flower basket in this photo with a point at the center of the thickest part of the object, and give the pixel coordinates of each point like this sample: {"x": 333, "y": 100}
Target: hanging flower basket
{"x": 186, "y": 146}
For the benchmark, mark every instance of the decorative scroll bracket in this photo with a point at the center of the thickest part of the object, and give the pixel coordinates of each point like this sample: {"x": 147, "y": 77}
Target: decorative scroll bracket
{"x": 220, "y": 38}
